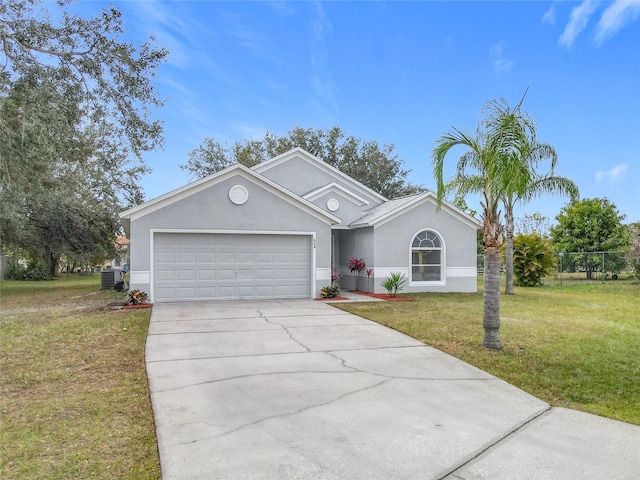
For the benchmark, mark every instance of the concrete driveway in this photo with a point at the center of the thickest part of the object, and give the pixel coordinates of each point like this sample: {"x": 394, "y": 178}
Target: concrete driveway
{"x": 301, "y": 390}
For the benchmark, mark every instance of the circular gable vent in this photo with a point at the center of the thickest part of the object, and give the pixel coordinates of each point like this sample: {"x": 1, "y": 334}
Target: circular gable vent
{"x": 333, "y": 204}
{"x": 238, "y": 194}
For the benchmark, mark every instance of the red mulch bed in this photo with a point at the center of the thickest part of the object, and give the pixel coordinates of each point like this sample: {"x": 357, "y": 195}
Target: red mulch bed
{"x": 139, "y": 305}
{"x": 321, "y": 299}
{"x": 384, "y": 296}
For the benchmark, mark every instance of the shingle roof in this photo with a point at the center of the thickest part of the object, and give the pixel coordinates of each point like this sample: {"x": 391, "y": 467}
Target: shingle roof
{"x": 386, "y": 208}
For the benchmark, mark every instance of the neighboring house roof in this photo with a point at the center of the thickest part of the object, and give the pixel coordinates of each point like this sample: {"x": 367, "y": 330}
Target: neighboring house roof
{"x": 392, "y": 208}
{"x": 206, "y": 182}
{"x": 299, "y": 152}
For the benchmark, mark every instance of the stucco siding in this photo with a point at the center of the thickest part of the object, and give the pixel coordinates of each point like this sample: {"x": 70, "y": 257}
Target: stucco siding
{"x": 393, "y": 243}
{"x": 211, "y": 210}
{"x": 301, "y": 177}
{"x": 348, "y": 211}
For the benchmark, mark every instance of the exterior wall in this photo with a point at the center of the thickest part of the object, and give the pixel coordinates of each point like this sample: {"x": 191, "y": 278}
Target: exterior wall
{"x": 356, "y": 243}
{"x": 393, "y": 249}
{"x": 301, "y": 177}
{"x": 211, "y": 210}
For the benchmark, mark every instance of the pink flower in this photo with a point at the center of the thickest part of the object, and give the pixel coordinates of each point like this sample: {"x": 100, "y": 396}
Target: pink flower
{"x": 356, "y": 264}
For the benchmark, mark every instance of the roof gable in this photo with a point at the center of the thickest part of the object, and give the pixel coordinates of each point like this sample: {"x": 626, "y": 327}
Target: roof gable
{"x": 210, "y": 181}
{"x": 336, "y": 188}
{"x": 299, "y": 153}
{"x": 391, "y": 209}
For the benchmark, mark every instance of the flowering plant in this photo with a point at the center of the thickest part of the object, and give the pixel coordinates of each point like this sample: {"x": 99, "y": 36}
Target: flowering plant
{"x": 136, "y": 297}
{"x": 369, "y": 272}
{"x": 335, "y": 276}
{"x": 330, "y": 291}
{"x": 356, "y": 265}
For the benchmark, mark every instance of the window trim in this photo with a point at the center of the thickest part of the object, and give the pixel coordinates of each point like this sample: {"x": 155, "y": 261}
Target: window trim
{"x": 443, "y": 257}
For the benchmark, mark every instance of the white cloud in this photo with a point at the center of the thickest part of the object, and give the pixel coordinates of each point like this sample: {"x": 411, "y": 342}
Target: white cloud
{"x": 321, "y": 80}
{"x": 249, "y": 132}
{"x": 615, "y": 17}
{"x": 577, "y": 21}
{"x": 550, "y": 16}
{"x": 501, "y": 63}
{"x": 616, "y": 173}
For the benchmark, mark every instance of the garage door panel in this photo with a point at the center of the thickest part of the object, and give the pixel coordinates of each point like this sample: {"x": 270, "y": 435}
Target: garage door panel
{"x": 264, "y": 274}
{"x": 186, "y": 293}
{"x": 165, "y": 257}
{"x": 299, "y": 274}
{"x": 245, "y": 257}
{"x": 226, "y": 274}
{"x": 165, "y": 275}
{"x": 185, "y": 257}
{"x": 186, "y": 275}
{"x": 206, "y": 257}
{"x": 231, "y": 266}
{"x": 264, "y": 257}
{"x": 206, "y": 274}
{"x": 185, "y": 239}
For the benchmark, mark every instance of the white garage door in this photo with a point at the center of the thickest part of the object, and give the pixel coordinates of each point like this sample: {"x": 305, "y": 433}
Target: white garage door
{"x": 203, "y": 266}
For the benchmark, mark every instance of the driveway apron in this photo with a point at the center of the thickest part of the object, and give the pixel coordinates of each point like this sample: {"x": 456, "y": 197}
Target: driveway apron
{"x": 298, "y": 389}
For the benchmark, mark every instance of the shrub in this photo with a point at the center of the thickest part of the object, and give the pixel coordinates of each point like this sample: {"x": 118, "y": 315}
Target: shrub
{"x": 533, "y": 259}
{"x": 393, "y": 283}
{"x": 330, "y": 291}
{"x": 35, "y": 272}
{"x": 136, "y": 297}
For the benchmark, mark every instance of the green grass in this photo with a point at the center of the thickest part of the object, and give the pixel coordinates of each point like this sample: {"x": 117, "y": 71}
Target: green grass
{"x": 74, "y": 399}
{"x": 573, "y": 346}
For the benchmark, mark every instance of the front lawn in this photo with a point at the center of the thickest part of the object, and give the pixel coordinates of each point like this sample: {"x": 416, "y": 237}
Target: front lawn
{"x": 74, "y": 399}
{"x": 574, "y": 347}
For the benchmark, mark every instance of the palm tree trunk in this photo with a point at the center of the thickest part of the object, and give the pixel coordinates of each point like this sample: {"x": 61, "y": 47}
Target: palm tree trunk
{"x": 491, "y": 241}
{"x": 508, "y": 289}
{"x": 491, "y": 297}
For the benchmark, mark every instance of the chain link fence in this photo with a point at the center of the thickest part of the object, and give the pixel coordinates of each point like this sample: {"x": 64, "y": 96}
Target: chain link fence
{"x": 581, "y": 267}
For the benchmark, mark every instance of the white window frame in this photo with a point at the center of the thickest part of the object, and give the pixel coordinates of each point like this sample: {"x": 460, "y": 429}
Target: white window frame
{"x": 443, "y": 256}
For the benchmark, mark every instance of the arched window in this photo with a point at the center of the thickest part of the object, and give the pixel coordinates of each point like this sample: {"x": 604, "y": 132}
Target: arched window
{"x": 427, "y": 257}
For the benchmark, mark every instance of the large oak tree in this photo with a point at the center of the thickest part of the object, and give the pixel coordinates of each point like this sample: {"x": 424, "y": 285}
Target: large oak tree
{"x": 377, "y": 167}
{"x": 75, "y": 119}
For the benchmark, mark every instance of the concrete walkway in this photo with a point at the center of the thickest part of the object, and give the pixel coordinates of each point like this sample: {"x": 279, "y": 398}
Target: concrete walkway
{"x": 301, "y": 390}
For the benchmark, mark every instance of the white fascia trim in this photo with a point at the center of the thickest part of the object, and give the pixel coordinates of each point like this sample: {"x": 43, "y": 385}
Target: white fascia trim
{"x": 333, "y": 186}
{"x": 456, "y": 272}
{"x": 427, "y": 196}
{"x": 261, "y": 167}
{"x": 323, "y": 274}
{"x": 200, "y": 185}
{"x": 389, "y": 215}
{"x": 182, "y": 192}
{"x": 153, "y": 231}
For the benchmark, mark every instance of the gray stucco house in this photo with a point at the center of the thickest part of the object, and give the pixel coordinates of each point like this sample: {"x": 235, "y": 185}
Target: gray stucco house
{"x": 281, "y": 228}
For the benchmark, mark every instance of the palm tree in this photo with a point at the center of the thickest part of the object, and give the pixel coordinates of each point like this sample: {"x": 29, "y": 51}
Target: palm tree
{"x": 489, "y": 167}
{"x": 482, "y": 159}
{"x": 526, "y": 182}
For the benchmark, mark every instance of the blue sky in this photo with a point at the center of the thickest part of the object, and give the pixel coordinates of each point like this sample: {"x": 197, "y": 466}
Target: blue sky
{"x": 402, "y": 73}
